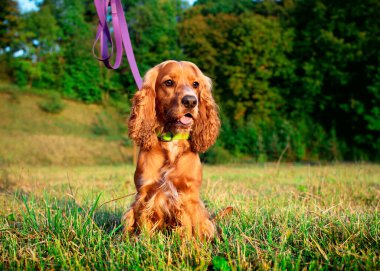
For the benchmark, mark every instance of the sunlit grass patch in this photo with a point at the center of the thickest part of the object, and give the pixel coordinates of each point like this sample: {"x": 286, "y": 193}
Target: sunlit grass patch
{"x": 79, "y": 135}
{"x": 291, "y": 217}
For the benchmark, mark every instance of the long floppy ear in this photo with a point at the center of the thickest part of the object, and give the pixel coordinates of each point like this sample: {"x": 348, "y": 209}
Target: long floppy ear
{"x": 142, "y": 121}
{"x": 207, "y": 125}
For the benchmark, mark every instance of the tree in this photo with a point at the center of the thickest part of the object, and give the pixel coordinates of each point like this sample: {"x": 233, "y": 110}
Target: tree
{"x": 337, "y": 65}
{"x": 246, "y": 55}
{"x": 9, "y": 18}
{"x": 153, "y": 29}
{"x": 9, "y": 26}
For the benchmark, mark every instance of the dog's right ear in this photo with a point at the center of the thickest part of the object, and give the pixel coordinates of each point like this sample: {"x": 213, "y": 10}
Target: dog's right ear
{"x": 142, "y": 121}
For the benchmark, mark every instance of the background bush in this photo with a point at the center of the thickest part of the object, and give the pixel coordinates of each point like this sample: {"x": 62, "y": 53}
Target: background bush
{"x": 52, "y": 104}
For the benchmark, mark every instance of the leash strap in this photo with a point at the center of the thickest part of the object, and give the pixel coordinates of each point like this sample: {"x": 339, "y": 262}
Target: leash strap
{"x": 121, "y": 34}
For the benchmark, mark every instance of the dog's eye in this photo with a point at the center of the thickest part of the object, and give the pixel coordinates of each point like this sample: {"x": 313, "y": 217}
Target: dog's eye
{"x": 169, "y": 83}
{"x": 195, "y": 84}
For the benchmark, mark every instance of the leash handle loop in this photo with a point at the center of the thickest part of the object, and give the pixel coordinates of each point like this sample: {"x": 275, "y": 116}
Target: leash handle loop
{"x": 121, "y": 35}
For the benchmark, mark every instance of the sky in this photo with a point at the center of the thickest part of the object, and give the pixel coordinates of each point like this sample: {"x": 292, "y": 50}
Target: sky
{"x": 27, "y": 5}
{"x": 30, "y": 5}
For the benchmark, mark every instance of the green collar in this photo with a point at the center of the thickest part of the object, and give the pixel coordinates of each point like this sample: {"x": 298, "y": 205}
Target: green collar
{"x": 169, "y": 136}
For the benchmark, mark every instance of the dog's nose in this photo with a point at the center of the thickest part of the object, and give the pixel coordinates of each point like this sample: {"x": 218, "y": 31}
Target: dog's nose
{"x": 189, "y": 101}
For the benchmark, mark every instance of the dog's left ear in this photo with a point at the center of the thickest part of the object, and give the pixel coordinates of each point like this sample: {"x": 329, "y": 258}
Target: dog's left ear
{"x": 207, "y": 125}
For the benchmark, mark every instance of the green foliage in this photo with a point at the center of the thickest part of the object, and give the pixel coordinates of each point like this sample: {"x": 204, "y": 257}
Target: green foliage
{"x": 259, "y": 48}
{"x": 9, "y": 24}
{"x": 263, "y": 140}
{"x": 217, "y": 155}
{"x": 153, "y": 29}
{"x": 337, "y": 63}
{"x": 82, "y": 76}
{"x": 291, "y": 62}
{"x": 295, "y": 77}
{"x": 23, "y": 72}
{"x": 122, "y": 104}
{"x": 53, "y": 104}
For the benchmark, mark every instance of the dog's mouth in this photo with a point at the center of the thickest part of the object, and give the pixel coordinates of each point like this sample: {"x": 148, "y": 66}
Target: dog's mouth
{"x": 185, "y": 120}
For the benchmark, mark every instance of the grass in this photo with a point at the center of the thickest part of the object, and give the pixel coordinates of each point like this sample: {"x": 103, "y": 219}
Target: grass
{"x": 30, "y": 136}
{"x": 286, "y": 218}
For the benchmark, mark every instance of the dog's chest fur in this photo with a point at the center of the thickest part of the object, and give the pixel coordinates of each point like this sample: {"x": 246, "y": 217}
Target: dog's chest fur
{"x": 166, "y": 201}
{"x": 172, "y": 170}
{"x": 174, "y": 149}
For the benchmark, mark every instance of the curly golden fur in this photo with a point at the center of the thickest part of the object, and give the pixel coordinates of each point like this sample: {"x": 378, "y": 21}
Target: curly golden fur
{"x": 175, "y": 97}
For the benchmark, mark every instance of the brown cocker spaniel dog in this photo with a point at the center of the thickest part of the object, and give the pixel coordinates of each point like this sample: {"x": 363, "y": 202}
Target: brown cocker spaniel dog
{"x": 173, "y": 118}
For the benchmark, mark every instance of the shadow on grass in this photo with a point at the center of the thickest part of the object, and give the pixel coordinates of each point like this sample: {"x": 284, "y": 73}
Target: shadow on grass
{"x": 51, "y": 211}
{"x": 108, "y": 220}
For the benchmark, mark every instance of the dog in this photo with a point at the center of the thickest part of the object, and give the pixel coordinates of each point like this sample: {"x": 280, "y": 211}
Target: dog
{"x": 173, "y": 118}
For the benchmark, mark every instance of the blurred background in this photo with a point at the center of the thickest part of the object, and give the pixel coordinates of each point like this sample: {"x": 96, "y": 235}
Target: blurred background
{"x": 295, "y": 80}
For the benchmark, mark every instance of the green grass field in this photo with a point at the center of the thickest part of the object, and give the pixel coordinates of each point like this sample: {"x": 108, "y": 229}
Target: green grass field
{"x": 286, "y": 218}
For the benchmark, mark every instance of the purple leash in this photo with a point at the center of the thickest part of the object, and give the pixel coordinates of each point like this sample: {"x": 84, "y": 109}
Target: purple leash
{"x": 121, "y": 34}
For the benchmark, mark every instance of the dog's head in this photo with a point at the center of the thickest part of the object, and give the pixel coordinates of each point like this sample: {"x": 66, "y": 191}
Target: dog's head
{"x": 175, "y": 97}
